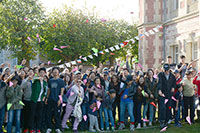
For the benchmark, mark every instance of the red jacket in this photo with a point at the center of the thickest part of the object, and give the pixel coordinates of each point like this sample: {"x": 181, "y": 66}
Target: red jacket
{"x": 197, "y": 82}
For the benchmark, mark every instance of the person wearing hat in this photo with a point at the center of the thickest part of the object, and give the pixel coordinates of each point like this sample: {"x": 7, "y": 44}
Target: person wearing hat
{"x": 126, "y": 94}
{"x": 188, "y": 95}
{"x": 166, "y": 85}
{"x": 108, "y": 108}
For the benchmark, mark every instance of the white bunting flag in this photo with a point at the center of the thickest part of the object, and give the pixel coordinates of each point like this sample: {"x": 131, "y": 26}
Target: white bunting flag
{"x": 117, "y": 47}
{"x": 107, "y": 50}
{"x": 61, "y": 66}
{"x": 96, "y": 54}
{"x": 112, "y": 49}
{"x": 156, "y": 29}
{"x": 122, "y": 45}
{"x": 73, "y": 62}
{"x": 68, "y": 64}
{"x": 90, "y": 56}
{"x": 85, "y": 58}
{"x": 133, "y": 41}
{"x": 146, "y": 33}
{"x": 137, "y": 38}
{"x": 151, "y": 32}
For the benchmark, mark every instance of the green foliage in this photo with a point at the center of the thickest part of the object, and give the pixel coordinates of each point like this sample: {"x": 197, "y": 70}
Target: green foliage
{"x": 65, "y": 27}
{"x": 82, "y": 33}
{"x": 20, "y": 19}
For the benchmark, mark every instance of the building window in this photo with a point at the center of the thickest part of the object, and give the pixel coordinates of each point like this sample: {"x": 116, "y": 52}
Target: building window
{"x": 175, "y": 4}
{"x": 194, "y": 51}
{"x": 175, "y": 53}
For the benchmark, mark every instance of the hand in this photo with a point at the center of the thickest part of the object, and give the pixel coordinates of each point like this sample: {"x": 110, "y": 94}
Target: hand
{"x": 2, "y": 65}
{"x": 146, "y": 95}
{"x": 176, "y": 108}
{"x": 160, "y": 93}
{"x": 156, "y": 99}
{"x": 59, "y": 102}
{"x": 23, "y": 62}
{"x": 46, "y": 101}
{"x": 43, "y": 99}
{"x": 151, "y": 96}
{"x": 172, "y": 90}
{"x": 125, "y": 96}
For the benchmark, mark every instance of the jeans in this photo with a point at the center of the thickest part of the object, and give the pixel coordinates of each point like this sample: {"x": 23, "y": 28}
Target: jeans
{"x": 109, "y": 116}
{"x": 53, "y": 108}
{"x": 164, "y": 111}
{"x": 129, "y": 106}
{"x": 14, "y": 115}
{"x": 189, "y": 104}
{"x": 138, "y": 112}
{"x": 101, "y": 116}
{"x": 2, "y": 113}
{"x": 36, "y": 115}
{"x": 84, "y": 124}
{"x": 26, "y": 114}
{"x": 151, "y": 111}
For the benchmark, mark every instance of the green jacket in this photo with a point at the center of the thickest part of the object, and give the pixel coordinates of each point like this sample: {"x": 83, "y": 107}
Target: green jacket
{"x": 14, "y": 96}
{"x": 36, "y": 89}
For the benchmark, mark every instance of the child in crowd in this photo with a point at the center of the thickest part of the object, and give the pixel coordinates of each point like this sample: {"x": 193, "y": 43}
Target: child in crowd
{"x": 108, "y": 108}
{"x": 93, "y": 113}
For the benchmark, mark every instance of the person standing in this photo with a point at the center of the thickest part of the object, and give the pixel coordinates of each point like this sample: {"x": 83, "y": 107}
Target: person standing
{"x": 166, "y": 85}
{"x": 54, "y": 94}
{"x": 14, "y": 98}
{"x": 39, "y": 92}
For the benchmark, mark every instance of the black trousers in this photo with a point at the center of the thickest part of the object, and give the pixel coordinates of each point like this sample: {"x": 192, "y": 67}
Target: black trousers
{"x": 189, "y": 104}
{"x": 36, "y": 115}
{"x": 26, "y": 114}
{"x": 53, "y": 110}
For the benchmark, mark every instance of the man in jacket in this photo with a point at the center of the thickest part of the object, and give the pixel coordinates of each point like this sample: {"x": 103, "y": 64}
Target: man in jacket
{"x": 166, "y": 85}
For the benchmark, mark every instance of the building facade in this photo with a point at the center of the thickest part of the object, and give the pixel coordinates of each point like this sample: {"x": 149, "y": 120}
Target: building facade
{"x": 180, "y": 34}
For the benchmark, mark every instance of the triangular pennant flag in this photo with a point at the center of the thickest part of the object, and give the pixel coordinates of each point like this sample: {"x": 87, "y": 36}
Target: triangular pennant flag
{"x": 20, "y": 102}
{"x": 71, "y": 93}
{"x": 90, "y": 56}
{"x": 156, "y": 29}
{"x": 133, "y": 41}
{"x": 59, "y": 61}
{"x": 98, "y": 104}
{"x": 49, "y": 62}
{"x": 94, "y": 109}
{"x": 101, "y": 52}
{"x": 85, "y": 117}
{"x": 19, "y": 66}
{"x": 25, "y": 19}
{"x": 137, "y": 38}
{"x": 10, "y": 84}
{"x": 80, "y": 57}
{"x": 112, "y": 49}
{"x": 9, "y": 106}
{"x": 122, "y": 45}
{"x": 95, "y": 50}
{"x": 146, "y": 33}
{"x": 164, "y": 129}
{"x": 79, "y": 61}
{"x": 188, "y": 120}
{"x": 166, "y": 100}
{"x": 96, "y": 54}
{"x": 61, "y": 66}
{"x": 107, "y": 50}
{"x": 37, "y": 35}
{"x": 117, "y": 47}
{"x": 28, "y": 38}
{"x": 143, "y": 93}
{"x": 125, "y": 43}
{"x": 54, "y": 25}
{"x": 64, "y": 47}
{"x": 145, "y": 120}
{"x": 152, "y": 103}
{"x": 173, "y": 98}
{"x": 73, "y": 62}
{"x": 112, "y": 53}
{"x": 87, "y": 21}
{"x": 151, "y": 32}
{"x": 68, "y": 64}
{"x": 56, "y": 49}
{"x": 85, "y": 58}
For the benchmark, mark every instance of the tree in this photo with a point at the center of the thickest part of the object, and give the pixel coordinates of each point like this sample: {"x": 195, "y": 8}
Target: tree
{"x": 82, "y": 32}
{"x": 20, "y": 21}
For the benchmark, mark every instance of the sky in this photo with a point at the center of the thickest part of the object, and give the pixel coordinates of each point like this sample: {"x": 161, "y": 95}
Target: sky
{"x": 114, "y": 9}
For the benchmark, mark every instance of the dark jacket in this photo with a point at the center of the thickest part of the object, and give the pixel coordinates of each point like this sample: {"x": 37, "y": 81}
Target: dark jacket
{"x": 131, "y": 91}
{"x": 139, "y": 97}
{"x": 14, "y": 96}
{"x": 108, "y": 102}
{"x": 2, "y": 93}
{"x": 166, "y": 85}
{"x": 152, "y": 88}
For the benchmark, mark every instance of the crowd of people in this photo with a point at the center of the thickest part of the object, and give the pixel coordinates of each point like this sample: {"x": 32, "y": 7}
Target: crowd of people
{"x": 34, "y": 100}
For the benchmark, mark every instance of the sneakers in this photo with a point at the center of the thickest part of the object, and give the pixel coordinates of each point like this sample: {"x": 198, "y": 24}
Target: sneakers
{"x": 178, "y": 125}
{"x": 26, "y": 131}
{"x": 121, "y": 126}
{"x": 150, "y": 124}
{"x": 138, "y": 126}
{"x": 144, "y": 124}
{"x": 92, "y": 130}
{"x": 107, "y": 129}
{"x": 169, "y": 122}
{"x": 65, "y": 126}
{"x": 48, "y": 130}
{"x": 58, "y": 131}
{"x": 38, "y": 131}
{"x": 113, "y": 129}
{"x": 132, "y": 127}
{"x": 32, "y": 131}
{"x": 4, "y": 129}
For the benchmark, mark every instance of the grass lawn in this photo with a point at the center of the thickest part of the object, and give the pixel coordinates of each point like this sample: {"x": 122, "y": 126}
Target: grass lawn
{"x": 186, "y": 128}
